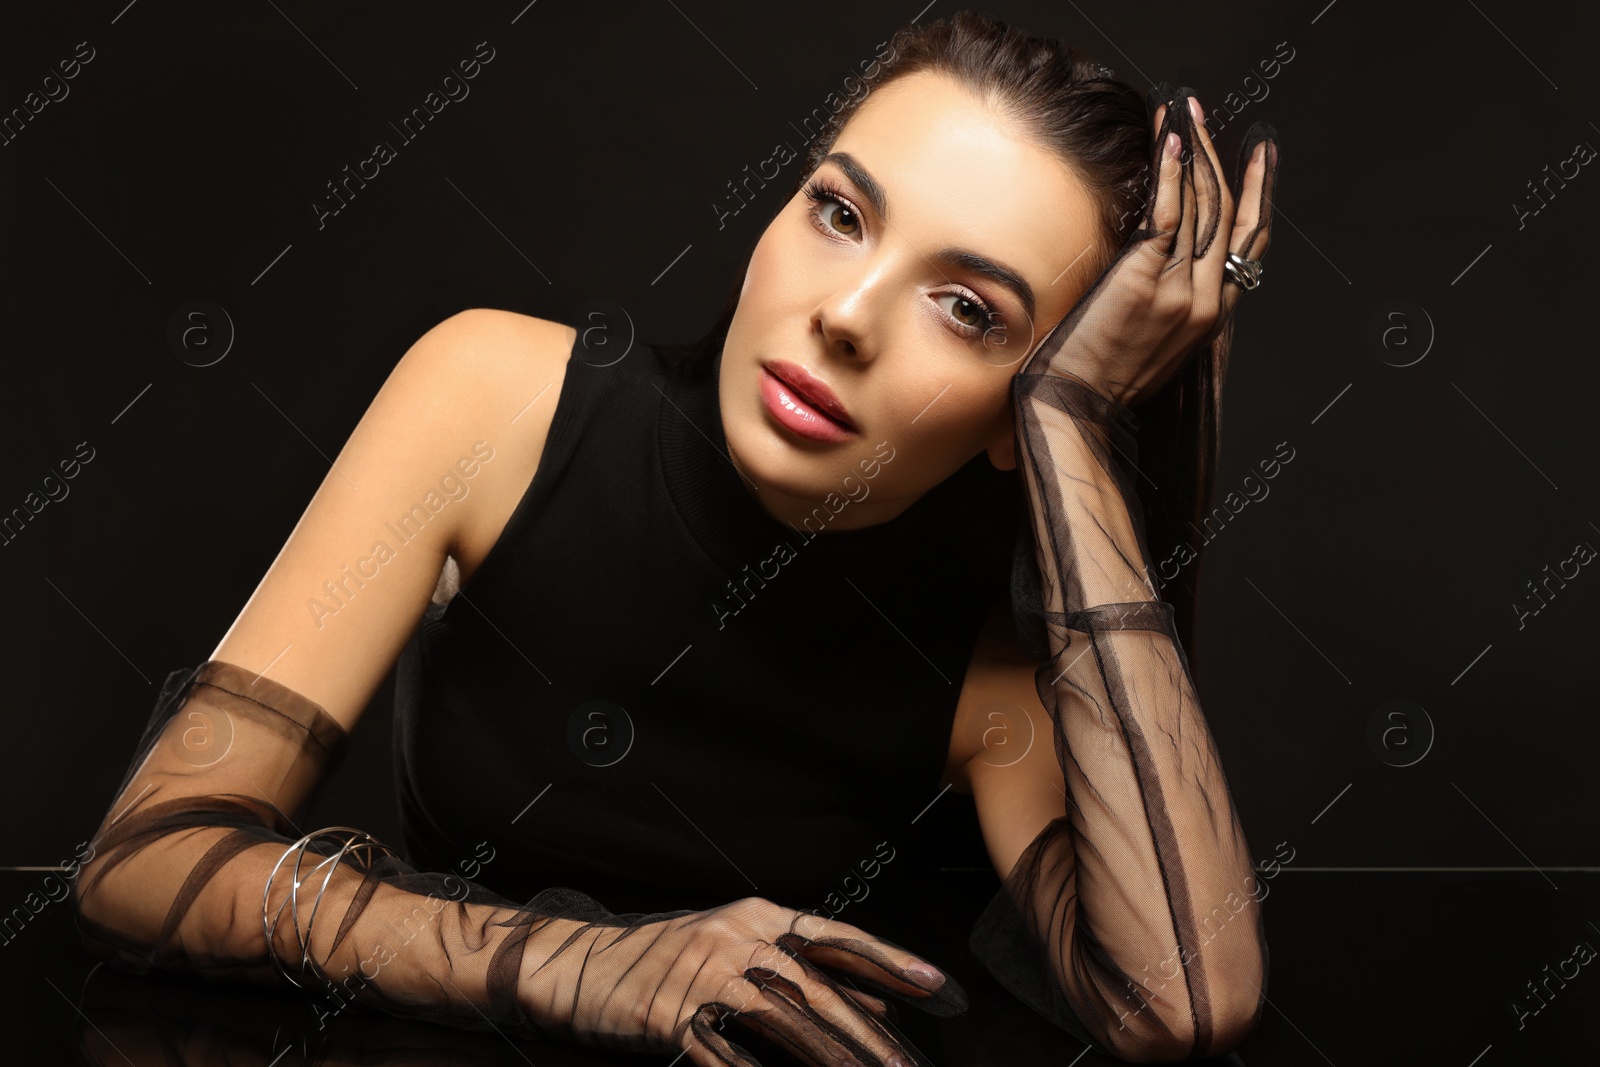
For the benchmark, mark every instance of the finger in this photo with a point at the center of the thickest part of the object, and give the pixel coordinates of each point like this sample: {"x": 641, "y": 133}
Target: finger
{"x": 877, "y": 1005}
{"x": 1259, "y": 181}
{"x": 865, "y": 1018}
{"x": 1215, "y": 204}
{"x": 1256, "y": 181}
{"x": 707, "y": 1044}
{"x": 850, "y": 948}
{"x": 1214, "y": 210}
{"x": 947, "y": 1000}
{"x": 800, "y": 1009}
{"x": 1165, "y": 210}
{"x": 1183, "y": 244}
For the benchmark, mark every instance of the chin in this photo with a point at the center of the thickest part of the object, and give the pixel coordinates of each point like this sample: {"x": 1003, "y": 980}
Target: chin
{"x": 771, "y": 459}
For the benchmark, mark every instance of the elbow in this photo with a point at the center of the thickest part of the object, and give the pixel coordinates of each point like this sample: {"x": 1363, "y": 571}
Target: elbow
{"x": 1234, "y": 1022}
{"x": 1179, "y": 1044}
{"x": 1233, "y": 1009}
{"x": 86, "y": 918}
{"x": 101, "y": 907}
{"x": 1238, "y": 1000}
{"x": 78, "y": 878}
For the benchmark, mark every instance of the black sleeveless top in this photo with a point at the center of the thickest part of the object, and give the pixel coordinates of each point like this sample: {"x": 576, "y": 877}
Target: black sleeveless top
{"x": 655, "y": 692}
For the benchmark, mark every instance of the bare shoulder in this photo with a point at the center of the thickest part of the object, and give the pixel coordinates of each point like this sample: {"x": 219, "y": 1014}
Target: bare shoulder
{"x": 431, "y": 472}
{"x": 507, "y": 370}
{"x": 488, "y": 350}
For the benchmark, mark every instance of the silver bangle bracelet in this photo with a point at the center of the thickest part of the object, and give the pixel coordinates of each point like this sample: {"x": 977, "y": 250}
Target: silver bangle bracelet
{"x": 360, "y": 845}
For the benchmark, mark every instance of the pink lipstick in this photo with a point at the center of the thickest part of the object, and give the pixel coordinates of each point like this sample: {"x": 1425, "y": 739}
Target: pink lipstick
{"x": 803, "y": 403}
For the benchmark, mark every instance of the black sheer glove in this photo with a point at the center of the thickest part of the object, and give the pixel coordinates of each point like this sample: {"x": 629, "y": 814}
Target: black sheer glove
{"x": 1131, "y": 921}
{"x": 200, "y": 866}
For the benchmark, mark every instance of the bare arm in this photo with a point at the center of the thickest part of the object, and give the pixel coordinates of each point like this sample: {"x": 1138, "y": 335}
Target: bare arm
{"x": 235, "y": 749}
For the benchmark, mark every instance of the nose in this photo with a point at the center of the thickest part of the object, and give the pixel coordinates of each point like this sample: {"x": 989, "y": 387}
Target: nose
{"x": 844, "y": 319}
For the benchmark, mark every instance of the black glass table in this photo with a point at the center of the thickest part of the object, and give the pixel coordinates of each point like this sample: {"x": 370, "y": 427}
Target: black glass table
{"x": 1467, "y": 969}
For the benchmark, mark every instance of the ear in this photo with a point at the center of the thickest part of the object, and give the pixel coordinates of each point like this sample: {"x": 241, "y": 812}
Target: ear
{"x": 1003, "y": 451}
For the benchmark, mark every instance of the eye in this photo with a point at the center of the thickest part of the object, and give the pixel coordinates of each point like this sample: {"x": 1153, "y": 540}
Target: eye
{"x": 970, "y": 316}
{"x": 830, "y": 210}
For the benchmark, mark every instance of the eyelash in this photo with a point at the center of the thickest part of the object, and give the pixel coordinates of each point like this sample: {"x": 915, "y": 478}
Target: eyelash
{"x": 820, "y": 191}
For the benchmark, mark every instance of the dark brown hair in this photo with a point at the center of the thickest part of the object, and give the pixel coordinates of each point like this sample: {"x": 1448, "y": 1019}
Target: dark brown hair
{"x": 1100, "y": 126}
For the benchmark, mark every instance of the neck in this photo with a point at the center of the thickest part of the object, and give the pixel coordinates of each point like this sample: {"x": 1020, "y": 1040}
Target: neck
{"x": 839, "y": 509}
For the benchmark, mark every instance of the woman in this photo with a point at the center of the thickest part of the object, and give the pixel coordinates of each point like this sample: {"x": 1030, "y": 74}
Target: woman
{"x": 853, "y": 417}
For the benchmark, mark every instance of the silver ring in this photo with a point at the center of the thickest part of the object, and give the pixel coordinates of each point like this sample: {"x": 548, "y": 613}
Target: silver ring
{"x": 1246, "y": 272}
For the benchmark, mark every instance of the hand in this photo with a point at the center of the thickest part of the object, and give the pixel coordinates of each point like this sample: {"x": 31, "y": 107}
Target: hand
{"x": 1166, "y": 294}
{"x": 669, "y": 985}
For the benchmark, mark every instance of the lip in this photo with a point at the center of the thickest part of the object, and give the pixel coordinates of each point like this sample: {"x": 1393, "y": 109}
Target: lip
{"x": 797, "y": 412}
{"x": 808, "y": 387}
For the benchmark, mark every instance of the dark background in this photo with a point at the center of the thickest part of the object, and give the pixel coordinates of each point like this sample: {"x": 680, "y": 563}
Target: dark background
{"x": 1383, "y": 565}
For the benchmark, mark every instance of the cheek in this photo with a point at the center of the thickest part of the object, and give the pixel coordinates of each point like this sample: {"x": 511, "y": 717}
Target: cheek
{"x": 758, "y": 276}
{"x": 946, "y": 421}
{"x": 785, "y": 265}
{"x": 761, "y": 278}
{"x": 770, "y": 249}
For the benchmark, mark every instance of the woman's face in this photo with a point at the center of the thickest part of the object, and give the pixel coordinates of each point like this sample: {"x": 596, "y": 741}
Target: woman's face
{"x": 895, "y": 297}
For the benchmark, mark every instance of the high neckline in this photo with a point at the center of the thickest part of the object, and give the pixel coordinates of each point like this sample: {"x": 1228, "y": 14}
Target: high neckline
{"x": 712, "y": 497}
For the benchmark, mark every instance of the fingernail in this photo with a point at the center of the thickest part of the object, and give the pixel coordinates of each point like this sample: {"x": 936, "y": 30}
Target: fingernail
{"x": 1159, "y": 94}
{"x": 897, "y": 1060}
{"x": 931, "y": 975}
{"x": 1196, "y": 110}
{"x": 1187, "y": 95}
{"x": 1173, "y": 145}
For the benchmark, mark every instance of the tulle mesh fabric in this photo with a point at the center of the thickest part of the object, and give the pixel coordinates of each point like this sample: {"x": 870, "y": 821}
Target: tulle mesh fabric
{"x": 1131, "y": 921}
{"x": 182, "y": 879}
{"x": 1127, "y": 922}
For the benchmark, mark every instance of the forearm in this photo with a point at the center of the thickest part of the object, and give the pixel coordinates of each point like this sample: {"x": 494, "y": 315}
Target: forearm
{"x": 185, "y": 872}
{"x": 424, "y": 953}
{"x": 1088, "y": 553}
{"x": 1137, "y": 902}
{"x": 1164, "y": 887}
{"x": 1131, "y": 920}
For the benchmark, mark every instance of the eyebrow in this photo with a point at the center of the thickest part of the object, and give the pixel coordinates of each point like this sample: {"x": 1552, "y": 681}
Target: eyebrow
{"x": 963, "y": 258}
